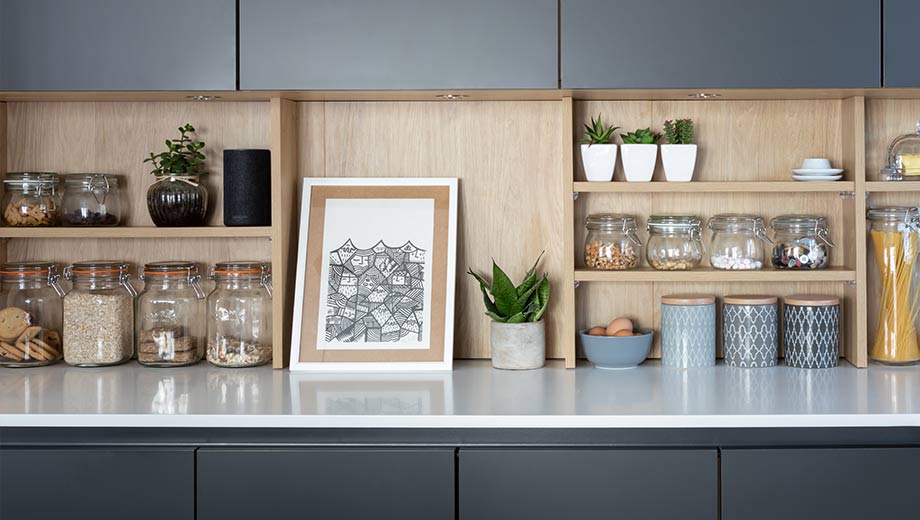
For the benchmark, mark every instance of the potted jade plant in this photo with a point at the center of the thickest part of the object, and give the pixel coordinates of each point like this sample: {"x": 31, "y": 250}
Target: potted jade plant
{"x": 518, "y": 333}
{"x": 640, "y": 152}
{"x": 678, "y": 156}
{"x": 177, "y": 197}
{"x": 598, "y": 154}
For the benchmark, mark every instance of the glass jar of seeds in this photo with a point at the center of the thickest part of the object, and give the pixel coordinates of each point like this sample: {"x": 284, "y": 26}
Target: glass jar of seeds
{"x": 31, "y": 199}
{"x": 170, "y": 315}
{"x": 239, "y": 313}
{"x": 30, "y": 314}
{"x": 800, "y": 242}
{"x": 612, "y": 242}
{"x": 98, "y": 314}
{"x": 675, "y": 243}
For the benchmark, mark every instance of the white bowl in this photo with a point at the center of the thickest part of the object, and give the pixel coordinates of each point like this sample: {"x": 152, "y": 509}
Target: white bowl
{"x": 816, "y": 163}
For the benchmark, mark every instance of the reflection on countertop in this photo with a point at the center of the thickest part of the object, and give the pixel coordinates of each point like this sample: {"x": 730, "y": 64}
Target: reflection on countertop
{"x": 473, "y": 395}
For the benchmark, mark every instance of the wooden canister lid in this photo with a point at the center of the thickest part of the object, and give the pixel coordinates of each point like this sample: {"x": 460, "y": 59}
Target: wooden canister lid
{"x": 750, "y": 299}
{"x": 688, "y": 299}
{"x": 811, "y": 300}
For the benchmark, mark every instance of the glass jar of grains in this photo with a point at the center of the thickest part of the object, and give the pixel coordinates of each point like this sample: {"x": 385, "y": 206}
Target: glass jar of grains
{"x": 239, "y": 313}
{"x": 30, "y": 314}
{"x": 31, "y": 199}
{"x": 91, "y": 199}
{"x": 98, "y": 314}
{"x": 675, "y": 243}
{"x": 737, "y": 242}
{"x": 170, "y": 315}
{"x": 612, "y": 242}
{"x": 800, "y": 242}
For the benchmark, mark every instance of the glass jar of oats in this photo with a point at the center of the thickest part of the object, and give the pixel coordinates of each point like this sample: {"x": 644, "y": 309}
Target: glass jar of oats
{"x": 98, "y": 314}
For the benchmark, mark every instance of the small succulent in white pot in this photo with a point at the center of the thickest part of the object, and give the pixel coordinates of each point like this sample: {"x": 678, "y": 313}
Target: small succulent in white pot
{"x": 678, "y": 156}
{"x": 598, "y": 154}
{"x": 518, "y": 335}
{"x": 640, "y": 153}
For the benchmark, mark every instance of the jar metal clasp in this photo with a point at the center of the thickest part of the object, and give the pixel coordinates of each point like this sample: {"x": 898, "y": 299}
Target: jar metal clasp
{"x": 99, "y": 186}
{"x": 266, "y": 280}
{"x": 760, "y": 231}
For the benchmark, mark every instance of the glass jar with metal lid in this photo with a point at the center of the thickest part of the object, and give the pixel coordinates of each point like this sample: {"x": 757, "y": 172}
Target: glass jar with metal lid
{"x": 239, "y": 312}
{"x": 31, "y": 199}
{"x": 800, "y": 242}
{"x": 170, "y": 315}
{"x": 895, "y": 236}
{"x": 31, "y": 312}
{"x": 903, "y": 157}
{"x": 91, "y": 199}
{"x": 612, "y": 242}
{"x": 737, "y": 241}
{"x": 675, "y": 243}
{"x": 98, "y": 314}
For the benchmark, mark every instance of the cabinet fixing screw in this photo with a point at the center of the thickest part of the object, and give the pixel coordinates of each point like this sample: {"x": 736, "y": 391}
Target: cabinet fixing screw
{"x": 847, "y": 194}
{"x": 577, "y": 284}
{"x": 852, "y": 283}
{"x": 575, "y": 196}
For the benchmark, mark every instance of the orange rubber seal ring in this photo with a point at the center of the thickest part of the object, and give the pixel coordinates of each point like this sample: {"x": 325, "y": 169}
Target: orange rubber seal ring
{"x": 12, "y": 273}
{"x": 247, "y": 271}
{"x": 165, "y": 273}
{"x": 104, "y": 271}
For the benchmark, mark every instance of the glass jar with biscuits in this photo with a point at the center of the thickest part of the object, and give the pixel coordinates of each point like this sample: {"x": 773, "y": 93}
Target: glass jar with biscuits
{"x": 31, "y": 199}
{"x": 31, "y": 309}
{"x": 170, "y": 315}
{"x": 240, "y": 315}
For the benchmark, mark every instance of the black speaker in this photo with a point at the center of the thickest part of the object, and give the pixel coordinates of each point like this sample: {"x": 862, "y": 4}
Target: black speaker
{"x": 247, "y": 187}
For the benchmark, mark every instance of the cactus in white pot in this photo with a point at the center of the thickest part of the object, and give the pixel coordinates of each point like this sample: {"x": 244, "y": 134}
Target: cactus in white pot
{"x": 598, "y": 154}
{"x": 678, "y": 156}
{"x": 640, "y": 153}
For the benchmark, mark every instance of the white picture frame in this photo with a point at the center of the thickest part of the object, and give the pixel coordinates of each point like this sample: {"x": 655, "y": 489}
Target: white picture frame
{"x": 314, "y": 298}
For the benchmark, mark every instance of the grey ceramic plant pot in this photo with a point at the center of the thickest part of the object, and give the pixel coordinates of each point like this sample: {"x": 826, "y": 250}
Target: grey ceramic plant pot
{"x": 518, "y": 346}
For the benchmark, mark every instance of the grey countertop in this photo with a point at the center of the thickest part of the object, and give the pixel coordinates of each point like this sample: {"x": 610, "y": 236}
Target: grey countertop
{"x": 472, "y": 396}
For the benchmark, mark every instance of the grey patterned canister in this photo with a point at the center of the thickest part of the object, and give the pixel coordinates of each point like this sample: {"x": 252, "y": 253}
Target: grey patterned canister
{"x": 688, "y": 331}
{"x": 811, "y": 331}
{"x": 749, "y": 331}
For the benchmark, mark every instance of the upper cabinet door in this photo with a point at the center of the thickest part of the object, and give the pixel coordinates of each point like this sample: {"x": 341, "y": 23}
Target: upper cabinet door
{"x": 398, "y": 44}
{"x": 719, "y": 43}
{"x": 901, "y": 51}
{"x": 118, "y": 44}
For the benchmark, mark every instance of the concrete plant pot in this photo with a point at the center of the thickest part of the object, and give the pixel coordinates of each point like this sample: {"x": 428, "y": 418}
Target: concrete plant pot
{"x": 518, "y": 346}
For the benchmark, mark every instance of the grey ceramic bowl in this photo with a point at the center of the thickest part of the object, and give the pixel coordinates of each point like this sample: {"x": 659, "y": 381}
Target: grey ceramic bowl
{"x": 617, "y": 352}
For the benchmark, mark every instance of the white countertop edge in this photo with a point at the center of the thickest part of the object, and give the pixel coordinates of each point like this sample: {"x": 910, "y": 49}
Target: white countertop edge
{"x": 458, "y": 421}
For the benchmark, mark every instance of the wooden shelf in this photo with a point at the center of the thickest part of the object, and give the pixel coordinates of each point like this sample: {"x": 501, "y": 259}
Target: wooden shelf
{"x": 136, "y": 232}
{"x": 714, "y": 187}
{"x": 708, "y": 274}
{"x": 889, "y": 186}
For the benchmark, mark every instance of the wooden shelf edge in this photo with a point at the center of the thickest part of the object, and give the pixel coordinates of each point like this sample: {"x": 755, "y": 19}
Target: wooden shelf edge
{"x": 714, "y": 187}
{"x": 712, "y": 275}
{"x": 892, "y": 186}
{"x": 136, "y": 232}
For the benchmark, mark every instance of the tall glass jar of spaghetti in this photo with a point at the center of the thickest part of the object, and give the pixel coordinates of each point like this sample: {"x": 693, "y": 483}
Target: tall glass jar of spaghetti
{"x": 894, "y": 233}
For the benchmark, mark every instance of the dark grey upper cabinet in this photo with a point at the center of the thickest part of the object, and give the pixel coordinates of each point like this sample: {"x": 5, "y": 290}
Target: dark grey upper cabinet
{"x": 805, "y": 484}
{"x": 500, "y": 484}
{"x": 398, "y": 44}
{"x": 118, "y": 45}
{"x": 901, "y": 52}
{"x": 719, "y": 43}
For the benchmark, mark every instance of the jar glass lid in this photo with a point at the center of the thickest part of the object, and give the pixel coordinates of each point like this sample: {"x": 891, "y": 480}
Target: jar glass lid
{"x": 673, "y": 223}
{"x": 97, "y": 269}
{"x": 27, "y": 269}
{"x": 735, "y": 222}
{"x": 798, "y": 223}
{"x": 90, "y": 181}
{"x": 173, "y": 267}
{"x": 241, "y": 268}
{"x": 610, "y": 222}
{"x": 31, "y": 178}
{"x": 894, "y": 213}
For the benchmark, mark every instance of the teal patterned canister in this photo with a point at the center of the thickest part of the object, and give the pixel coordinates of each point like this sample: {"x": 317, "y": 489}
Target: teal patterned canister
{"x": 749, "y": 331}
{"x": 688, "y": 331}
{"x": 811, "y": 331}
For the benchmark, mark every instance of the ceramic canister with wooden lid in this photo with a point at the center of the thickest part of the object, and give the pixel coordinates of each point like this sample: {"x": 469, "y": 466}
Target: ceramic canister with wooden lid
{"x": 749, "y": 331}
{"x": 811, "y": 331}
{"x": 688, "y": 330}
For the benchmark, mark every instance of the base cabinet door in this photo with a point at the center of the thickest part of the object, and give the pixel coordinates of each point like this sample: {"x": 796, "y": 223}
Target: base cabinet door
{"x": 552, "y": 484}
{"x": 100, "y": 484}
{"x": 325, "y": 484}
{"x": 805, "y": 484}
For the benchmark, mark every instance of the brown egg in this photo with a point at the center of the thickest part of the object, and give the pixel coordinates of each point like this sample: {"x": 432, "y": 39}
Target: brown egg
{"x": 623, "y": 332}
{"x": 597, "y": 331}
{"x": 619, "y": 324}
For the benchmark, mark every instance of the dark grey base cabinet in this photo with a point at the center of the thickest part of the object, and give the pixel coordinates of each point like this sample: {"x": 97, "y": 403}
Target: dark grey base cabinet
{"x": 806, "y": 484}
{"x": 98, "y": 484}
{"x": 552, "y": 484}
{"x": 326, "y": 484}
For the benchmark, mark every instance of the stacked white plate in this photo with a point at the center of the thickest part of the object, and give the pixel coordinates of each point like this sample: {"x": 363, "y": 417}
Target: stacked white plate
{"x": 817, "y": 174}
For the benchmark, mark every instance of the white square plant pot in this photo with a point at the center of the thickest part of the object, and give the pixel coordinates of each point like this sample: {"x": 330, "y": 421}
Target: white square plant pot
{"x": 678, "y": 161}
{"x": 599, "y": 161}
{"x": 639, "y": 161}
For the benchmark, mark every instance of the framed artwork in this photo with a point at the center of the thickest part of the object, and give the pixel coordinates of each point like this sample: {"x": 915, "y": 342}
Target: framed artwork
{"x": 375, "y": 275}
